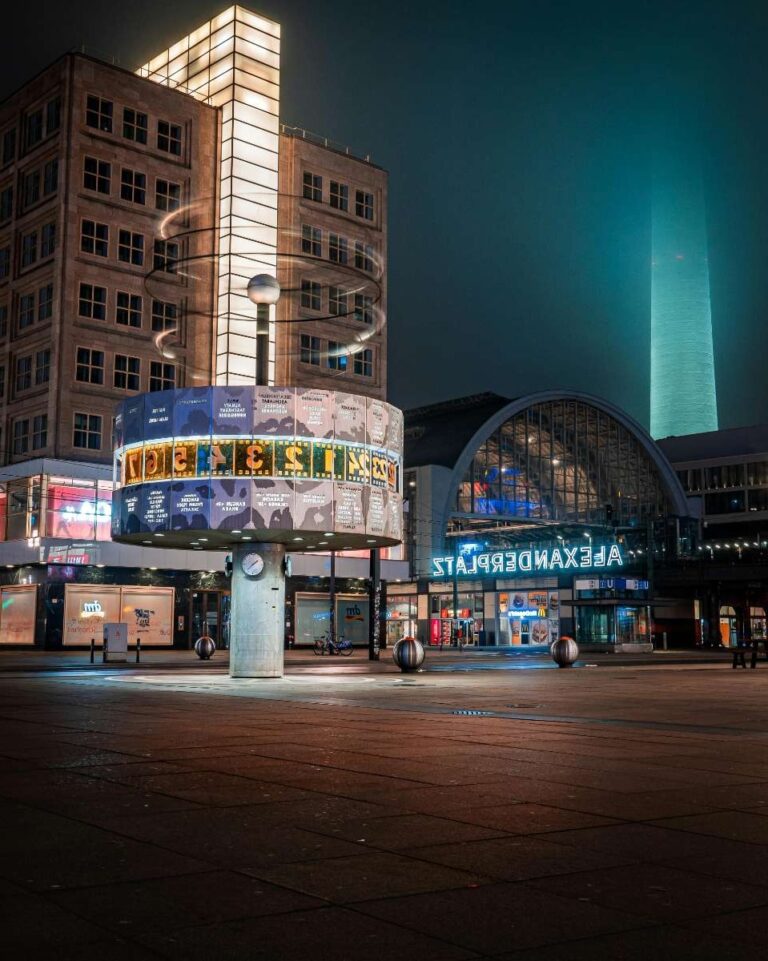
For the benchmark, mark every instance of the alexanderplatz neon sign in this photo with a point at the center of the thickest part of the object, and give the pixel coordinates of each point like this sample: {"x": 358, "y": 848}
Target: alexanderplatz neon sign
{"x": 546, "y": 559}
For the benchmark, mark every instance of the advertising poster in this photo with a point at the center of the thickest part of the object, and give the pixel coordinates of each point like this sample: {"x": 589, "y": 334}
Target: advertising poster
{"x": 377, "y": 422}
{"x": 232, "y": 411}
{"x": 155, "y": 507}
{"x": 192, "y": 412}
{"x": 348, "y": 509}
{"x": 349, "y": 422}
{"x": 376, "y": 512}
{"x": 158, "y": 415}
{"x": 313, "y": 509}
{"x": 230, "y": 504}
{"x": 395, "y": 431}
{"x": 314, "y": 413}
{"x": 87, "y": 608}
{"x": 117, "y": 431}
{"x": 75, "y": 514}
{"x": 189, "y": 505}
{"x": 274, "y": 412}
{"x": 17, "y": 620}
{"x": 272, "y": 502}
{"x": 148, "y": 612}
{"x": 133, "y": 419}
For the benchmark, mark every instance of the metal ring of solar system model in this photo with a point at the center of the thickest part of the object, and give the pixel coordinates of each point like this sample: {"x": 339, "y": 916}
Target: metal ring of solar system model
{"x": 208, "y": 468}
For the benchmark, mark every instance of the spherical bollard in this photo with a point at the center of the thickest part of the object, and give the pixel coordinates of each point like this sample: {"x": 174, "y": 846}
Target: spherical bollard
{"x": 564, "y": 651}
{"x": 205, "y": 647}
{"x": 408, "y": 654}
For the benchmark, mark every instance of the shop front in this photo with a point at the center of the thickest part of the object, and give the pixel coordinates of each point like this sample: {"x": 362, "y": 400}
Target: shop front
{"x": 613, "y": 613}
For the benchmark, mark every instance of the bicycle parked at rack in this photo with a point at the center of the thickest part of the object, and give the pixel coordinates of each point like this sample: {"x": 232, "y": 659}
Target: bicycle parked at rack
{"x": 326, "y": 645}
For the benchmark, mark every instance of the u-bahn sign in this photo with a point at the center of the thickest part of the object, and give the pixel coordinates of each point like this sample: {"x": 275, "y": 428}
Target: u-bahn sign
{"x": 523, "y": 561}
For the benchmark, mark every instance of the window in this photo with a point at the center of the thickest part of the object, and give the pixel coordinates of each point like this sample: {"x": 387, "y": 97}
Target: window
{"x": 87, "y": 432}
{"x": 726, "y": 502}
{"x": 128, "y": 312}
{"x": 311, "y": 240}
{"x": 98, "y": 113}
{"x": 757, "y": 472}
{"x": 310, "y": 295}
{"x": 3, "y": 320}
{"x": 29, "y": 248}
{"x": 39, "y": 431}
{"x": 169, "y": 137}
{"x": 26, "y": 310}
{"x": 94, "y": 238}
{"x": 89, "y": 368}
{"x": 338, "y": 249}
{"x": 339, "y": 196}
{"x": 2, "y": 381}
{"x": 364, "y": 257}
{"x": 363, "y": 205}
{"x": 33, "y": 128}
{"x": 161, "y": 376}
{"x": 337, "y": 355}
{"x": 166, "y": 256}
{"x": 6, "y": 203}
{"x": 364, "y": 308}
{"x": 130, "y": 248}
{"x": 52, "y": 116}
{"x": 310, "y": 350}
{"x": 97, "y": 175}
{"x": 9, "y": 146}
{"x": 23, "y": 373}
{"x": 134, "y": 125}
{"x": 21, "y": 436}
{"x": 313, "y": 187}
{"x": 42, "y": 367}
{"x": 337, "y": 301}
{"x": 51, "y": 177}
{"x": 93, "y": 302}
{"x": 167, "y": 195}
{"x": 30, "y": 188}
{"x": 164, "y": 315}
{"x": 45, "y": 302}
{"x": 127, "y": 372}
{"x": 364, "y": 362}
{"x": 5, "y": 262}
{"x": 47, "y": 240}
{"x": 133, "y": 186}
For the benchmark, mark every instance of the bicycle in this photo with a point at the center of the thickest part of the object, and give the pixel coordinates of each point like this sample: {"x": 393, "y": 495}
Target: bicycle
{"x": 340, "y": 646}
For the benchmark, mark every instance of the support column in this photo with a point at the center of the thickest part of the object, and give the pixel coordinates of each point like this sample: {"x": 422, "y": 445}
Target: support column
{"x": 258, "y": 611}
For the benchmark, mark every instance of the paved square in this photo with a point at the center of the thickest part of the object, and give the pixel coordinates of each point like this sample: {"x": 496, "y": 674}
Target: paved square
{"x": 165, "y": 811}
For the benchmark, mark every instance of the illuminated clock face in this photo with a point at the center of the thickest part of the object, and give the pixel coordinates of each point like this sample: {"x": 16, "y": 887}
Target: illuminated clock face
{"x": 252, "y": 564}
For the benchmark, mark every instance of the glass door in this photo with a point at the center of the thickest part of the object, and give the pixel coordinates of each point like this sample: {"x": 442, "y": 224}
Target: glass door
{"x": 209, "y": 615}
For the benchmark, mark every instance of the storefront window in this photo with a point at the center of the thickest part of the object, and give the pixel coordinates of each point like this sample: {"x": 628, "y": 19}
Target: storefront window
{"x": 78, "y": 510}
{"x": 401, "y": 617}
{"x": 528, "y": 618}
{"x": 457, "y": 628}
{"x": 729, "y": 634}
{"x": 313, "y": 618}
{"x": 758, "y": 620}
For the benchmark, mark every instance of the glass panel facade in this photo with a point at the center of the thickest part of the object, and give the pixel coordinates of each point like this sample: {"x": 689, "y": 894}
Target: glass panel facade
{"x": 563, "y": 461}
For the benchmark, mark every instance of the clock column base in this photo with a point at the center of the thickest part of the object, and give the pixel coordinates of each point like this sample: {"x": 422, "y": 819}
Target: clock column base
{"x": 257, "y": 625}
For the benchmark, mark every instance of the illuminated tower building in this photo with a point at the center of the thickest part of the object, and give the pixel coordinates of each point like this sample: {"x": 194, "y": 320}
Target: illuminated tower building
{"x": 683, "y": 396}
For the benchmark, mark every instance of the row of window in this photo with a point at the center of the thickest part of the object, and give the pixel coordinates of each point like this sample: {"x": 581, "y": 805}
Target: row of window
{"x": 736, "y": 502}
{"x": 100, "y": 114}
{"x": 37, "y": 125}
{"x": 338, "y": 195}
{"x": 338, "y": 248}
{"x": 725, "y": 475}
{"x": 341, "y": 303}
{"x": 336, "y": 356}
{"x": 34, "y": 186}
{"x": 94, "y": 240}
{"x": 90, "y": 368}
{"x": 97, "y": 176}
{"x": 129, "y": 308}
{"x": 31, "y": 433}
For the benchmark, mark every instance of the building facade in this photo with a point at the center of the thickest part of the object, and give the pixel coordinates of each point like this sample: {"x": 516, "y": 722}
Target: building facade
{"x": 134, "y": 209}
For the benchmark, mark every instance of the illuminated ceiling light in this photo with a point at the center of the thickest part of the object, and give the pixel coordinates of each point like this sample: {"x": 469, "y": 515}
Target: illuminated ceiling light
{"x": 153, "y": 568}
{"x": 247, "y": 538}
{"x": 322, "y": 543}
{"x": 329, "y": 534}
{"x": 298, "y": 538}
{"x": 370, "y": 541}
{"x": 159, "y": 535}
{"x": 237, "y": 532}
{"x": 555, "y": 461}
{"x": 203, "y": 540}
{"x": 146, "y": 542}
{"x": 9, "y": 565}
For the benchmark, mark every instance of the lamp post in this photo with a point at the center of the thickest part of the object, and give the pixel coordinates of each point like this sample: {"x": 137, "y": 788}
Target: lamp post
{"x": 263, "y": 291}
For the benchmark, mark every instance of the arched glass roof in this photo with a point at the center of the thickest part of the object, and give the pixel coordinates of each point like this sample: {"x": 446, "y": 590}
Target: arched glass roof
{"x": 564, "y": 460}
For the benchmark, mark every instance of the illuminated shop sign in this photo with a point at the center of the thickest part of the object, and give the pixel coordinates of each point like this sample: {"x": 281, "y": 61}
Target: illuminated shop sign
{"x": 540, "y": 560}
{"x": 611, "y": 584}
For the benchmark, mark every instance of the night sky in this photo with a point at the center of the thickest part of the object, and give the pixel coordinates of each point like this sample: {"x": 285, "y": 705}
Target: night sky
{"x": 518, "y": 139}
